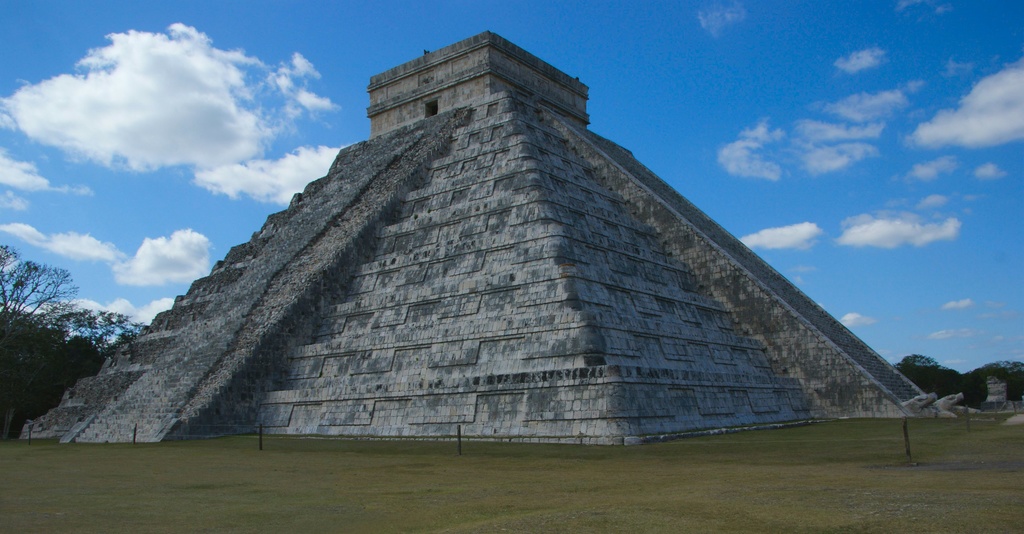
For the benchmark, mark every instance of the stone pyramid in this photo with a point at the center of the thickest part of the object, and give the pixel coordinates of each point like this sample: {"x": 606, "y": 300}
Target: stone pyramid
{"x": 483, "y": 263}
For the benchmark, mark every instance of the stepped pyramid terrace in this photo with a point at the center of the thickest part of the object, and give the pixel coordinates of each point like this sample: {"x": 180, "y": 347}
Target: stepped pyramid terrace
{"x": 483, "y": 262}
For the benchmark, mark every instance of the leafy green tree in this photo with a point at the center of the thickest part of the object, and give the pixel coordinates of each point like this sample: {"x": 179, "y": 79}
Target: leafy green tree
{"x": 46, "y": 341}
{"x": 31, "y": 295}
{"x": 929, "y": 375}
{"x": 974, "y": 387}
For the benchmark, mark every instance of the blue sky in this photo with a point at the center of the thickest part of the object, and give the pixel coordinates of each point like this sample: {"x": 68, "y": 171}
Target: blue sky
{"x": 872, "y": 152}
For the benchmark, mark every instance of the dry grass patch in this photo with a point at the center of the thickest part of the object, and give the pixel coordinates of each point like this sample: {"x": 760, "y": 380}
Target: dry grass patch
{"x": 830, "y": 477}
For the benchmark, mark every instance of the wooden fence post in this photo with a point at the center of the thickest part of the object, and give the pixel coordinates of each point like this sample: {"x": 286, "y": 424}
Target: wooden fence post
{"x": 906, "y": 441}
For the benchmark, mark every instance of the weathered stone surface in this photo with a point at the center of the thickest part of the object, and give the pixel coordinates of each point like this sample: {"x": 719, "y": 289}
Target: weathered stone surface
{"x": 996, "y": 389}
{"x": 947, "y": 406}
{"x": 484, "y": 262}
{"x": 931, "y": 405}
{"x": 996, "y": 399}
{"x": 473, "y": 68}
{"x": 921, "y": 404}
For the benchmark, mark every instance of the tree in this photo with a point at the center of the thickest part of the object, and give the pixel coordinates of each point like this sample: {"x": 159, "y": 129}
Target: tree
{"x": 31, "y": 295}
{"x": 929, "y": 375}
{"x": 46, "y": 341}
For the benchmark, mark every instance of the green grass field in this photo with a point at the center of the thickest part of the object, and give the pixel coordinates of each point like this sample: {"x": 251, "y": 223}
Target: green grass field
{"x": 831, "y": 477}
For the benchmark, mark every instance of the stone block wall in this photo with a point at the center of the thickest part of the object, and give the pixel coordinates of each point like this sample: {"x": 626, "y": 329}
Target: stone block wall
{"x": 458, "y": 74}
{"x": 839, "y": 374}
{"x": 518, "y": 298}
{"x": 190, "y": 354}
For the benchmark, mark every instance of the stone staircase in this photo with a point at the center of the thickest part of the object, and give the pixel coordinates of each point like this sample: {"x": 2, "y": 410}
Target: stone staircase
{"x": 147, "y": 410}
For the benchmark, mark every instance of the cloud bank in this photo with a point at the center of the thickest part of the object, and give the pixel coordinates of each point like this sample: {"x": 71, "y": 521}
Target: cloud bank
{"x": 931, "y": 170}
{"x": 853, "y": 319}
{"x": 151, "y": 100}
{"x": 962, "y": 304}
{"x": 861, "y": 60}
{"x": 863, "y": 107}
{"x": 70, "y": 245}
{"x": 269, "y": 180}
{"x": 25, "y": 176}
{"x": 743, "y": 157}
{"x": 892, "y": 231}
{"x": 182, "y": 257}
{"x": 988, "y": 171}
{"x": 991, "y": 114}
{"x": 718, "y": 17}
{"x": 796, "y": 236}
{"x": 141, "y": 314}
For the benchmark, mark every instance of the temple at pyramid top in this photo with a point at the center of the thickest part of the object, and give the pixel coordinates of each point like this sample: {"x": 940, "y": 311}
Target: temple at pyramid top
{"x": 466, "y": 71}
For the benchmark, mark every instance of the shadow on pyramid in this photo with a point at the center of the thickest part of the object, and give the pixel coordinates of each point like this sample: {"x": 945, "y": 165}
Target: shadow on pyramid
{"x": 485, "y": 264}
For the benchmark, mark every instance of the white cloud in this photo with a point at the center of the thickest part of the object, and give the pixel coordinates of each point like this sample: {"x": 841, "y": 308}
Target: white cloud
{"x": 24, "y": 176}
{"x": 149, "y": 100}
{"x": 822, "y": 159}
{"x": 861, "y": 60}
{"x": 953, "y": 68}
{"x": 285, "y": 80}
{"x": 1000, "y": 313}
{"x": 958, "y": 304}
{"x": 931, "y": 170}
{"x": 896, "y": 230}
{"x": 798, "y": 236}
{"x": 863, "y": 107}
{"x": 742, "y": 158}
{"x": 932, "y": 201}
{"x": 6, "y": 121}
{"x": 270, "y": 180}
{"x": 182, "y": 257}
{"x": 948, "y": 334}
{"x": 13, "y": 202}
{"x": 717, "y": 17}
{"x": 21, "y": 175}
{"x": 854, "y": 319}
{"x": 988, "y": 171}
{"x": 822, "y": 132}
{"x": 938, "y": 8}
{"x": 144, "y": 314}
{"x": 991, "y": 114}
{"x": 314, "y": 102}
{"x": 70, "y": 245}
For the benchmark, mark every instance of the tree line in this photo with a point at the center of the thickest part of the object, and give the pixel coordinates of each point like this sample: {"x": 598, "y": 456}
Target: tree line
{"x": 47, "y": 341}
{"x": 934, "y": 378}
